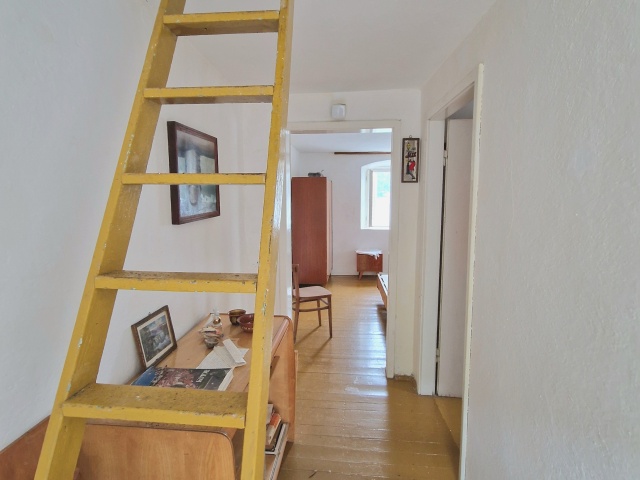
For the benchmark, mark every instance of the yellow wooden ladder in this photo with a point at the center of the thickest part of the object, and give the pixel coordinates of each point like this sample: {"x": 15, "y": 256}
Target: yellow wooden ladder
{"x": 79, "y": 397}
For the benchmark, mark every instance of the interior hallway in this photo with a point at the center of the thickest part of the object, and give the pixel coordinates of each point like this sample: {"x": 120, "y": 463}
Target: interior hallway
{"x": 353, "y": 423}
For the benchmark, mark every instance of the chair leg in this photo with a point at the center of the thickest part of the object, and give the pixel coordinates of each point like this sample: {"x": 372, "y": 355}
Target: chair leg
{"x": 319, "y": 313}
{"x": 330, "y": 318}
{"x": 296, "y": 315}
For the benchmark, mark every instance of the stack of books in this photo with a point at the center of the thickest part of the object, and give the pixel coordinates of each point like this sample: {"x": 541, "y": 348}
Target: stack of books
{"x": 276, "y": 431}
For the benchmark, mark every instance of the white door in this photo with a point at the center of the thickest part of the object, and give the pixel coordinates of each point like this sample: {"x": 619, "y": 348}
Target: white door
{"x": 455, "y": 241}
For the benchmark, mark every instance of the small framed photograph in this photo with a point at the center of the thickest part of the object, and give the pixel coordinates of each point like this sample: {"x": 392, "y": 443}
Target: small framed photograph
{"x": 410, "y": 159}
{"x": 154, "y": 337}
{"x": 191, "y": 151}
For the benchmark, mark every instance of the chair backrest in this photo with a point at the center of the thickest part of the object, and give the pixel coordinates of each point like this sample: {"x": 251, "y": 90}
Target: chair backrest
{"x": 296, "y": 283}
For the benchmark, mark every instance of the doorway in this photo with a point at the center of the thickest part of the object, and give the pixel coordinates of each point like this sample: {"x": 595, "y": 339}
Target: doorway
{"x": 467, "y": 89}
{"x": 331, "y": 129}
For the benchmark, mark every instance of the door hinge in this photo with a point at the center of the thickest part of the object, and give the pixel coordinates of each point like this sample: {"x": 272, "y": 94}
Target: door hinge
{"x": 437, "y": 354}
{"x": 445, "y": 155}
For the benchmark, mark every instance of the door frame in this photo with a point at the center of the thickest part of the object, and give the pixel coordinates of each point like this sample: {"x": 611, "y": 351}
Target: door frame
{"x": 428, "y": 275}
{"x": 394, "y": 229}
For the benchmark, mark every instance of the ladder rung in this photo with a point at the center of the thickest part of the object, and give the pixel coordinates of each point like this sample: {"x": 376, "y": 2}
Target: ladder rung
{"x": 178, "y": 406}
{"x": 193, "y": 178}
{"x": 223, "y": 23}
{"x": 200, "y": 95}
{"x": 178, "y": 281}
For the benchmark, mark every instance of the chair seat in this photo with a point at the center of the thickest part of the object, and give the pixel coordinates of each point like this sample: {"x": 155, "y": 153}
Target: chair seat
{"x": 313, "y": 292}
{"x": 316, "y": 294}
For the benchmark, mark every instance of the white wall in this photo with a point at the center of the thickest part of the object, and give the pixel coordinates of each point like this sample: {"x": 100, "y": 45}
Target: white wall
{"x": 344, "y": 171}
{"x": 554, "y": 354}
{"x": 398, "y": 105}
{"x": 68, "y": 74}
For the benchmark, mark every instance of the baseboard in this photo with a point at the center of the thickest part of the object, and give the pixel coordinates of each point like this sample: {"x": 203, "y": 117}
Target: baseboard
{"x": 407, "y": 378}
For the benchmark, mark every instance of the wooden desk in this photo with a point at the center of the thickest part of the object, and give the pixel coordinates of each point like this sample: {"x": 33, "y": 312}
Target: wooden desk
{"x": 154, "y": 451}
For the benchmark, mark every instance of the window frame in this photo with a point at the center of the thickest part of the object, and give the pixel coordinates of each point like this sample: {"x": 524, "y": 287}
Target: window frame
{"x": 366, "y": 193}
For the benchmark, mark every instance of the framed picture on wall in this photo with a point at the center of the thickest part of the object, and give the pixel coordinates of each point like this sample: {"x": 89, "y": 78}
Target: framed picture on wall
{"x": 191, "y": 151}
{"x": 410, "y": 159}
{"x": 154, "y": 337}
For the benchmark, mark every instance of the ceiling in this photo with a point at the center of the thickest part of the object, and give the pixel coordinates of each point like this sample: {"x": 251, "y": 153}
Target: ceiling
{"x": 345, "y": 45}
{"x": 348, "y": 45}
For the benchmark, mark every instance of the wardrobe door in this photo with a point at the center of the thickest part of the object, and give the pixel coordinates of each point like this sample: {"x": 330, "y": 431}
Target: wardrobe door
{"x": 310, "y": 228}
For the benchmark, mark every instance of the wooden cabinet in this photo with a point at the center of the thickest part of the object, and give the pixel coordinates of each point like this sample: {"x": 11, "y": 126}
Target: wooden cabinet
{"x": 152, "y": 451}
{"x": 311, "y": 234}
{"x": 368, "y": 262}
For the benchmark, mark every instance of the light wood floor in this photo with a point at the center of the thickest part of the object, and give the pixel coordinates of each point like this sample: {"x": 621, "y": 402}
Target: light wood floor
{"x": 352, "y": 422}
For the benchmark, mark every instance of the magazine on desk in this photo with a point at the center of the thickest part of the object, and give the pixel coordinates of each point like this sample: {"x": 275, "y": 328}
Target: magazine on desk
{"x": 204, "y": 379}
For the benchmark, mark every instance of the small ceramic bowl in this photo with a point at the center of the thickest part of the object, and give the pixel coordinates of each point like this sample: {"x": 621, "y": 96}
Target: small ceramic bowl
{"x": 235, "y": 314}
{"x": 211, "y": 342}
{"x": 246, "y": 322}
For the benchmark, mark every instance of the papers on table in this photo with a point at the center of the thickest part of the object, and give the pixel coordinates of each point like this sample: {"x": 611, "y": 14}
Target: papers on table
{"x": 221, "y": 358}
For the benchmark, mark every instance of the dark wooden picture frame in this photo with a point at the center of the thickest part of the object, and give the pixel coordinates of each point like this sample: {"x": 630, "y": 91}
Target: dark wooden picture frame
{"x": 191, "y": 151}
{"x": 410, "y": 160}
{"x": 154, "y": 337}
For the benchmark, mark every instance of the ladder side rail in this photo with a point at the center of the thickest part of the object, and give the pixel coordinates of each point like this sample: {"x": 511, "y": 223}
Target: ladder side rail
{"x": 64, "y": 435}
{"x": 255, "y": 429}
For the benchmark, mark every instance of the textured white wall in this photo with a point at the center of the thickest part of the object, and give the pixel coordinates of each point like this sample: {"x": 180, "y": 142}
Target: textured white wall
{"x": 68, "y": 74}
{"x": 554, "y": 383}
{"x": 344, "y": 171}
{"x": 61, "y": 70}
{"x": 403, "y": 105}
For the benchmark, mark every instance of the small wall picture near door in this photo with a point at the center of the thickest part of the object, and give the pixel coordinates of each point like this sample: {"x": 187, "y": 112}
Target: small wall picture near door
{"x": 410, "y": 159}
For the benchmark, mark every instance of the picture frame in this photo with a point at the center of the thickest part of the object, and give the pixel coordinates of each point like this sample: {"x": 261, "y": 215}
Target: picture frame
{"x": 154, "y": 337}
{"x": 192, "y": 151}
{"x": 410, "y": 160}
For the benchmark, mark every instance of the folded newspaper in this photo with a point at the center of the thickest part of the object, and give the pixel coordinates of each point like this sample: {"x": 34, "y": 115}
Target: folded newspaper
{"x": 221, "y": 358}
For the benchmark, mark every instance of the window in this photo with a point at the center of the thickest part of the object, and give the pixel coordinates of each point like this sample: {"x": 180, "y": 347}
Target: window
{"x": 375, "y": 195}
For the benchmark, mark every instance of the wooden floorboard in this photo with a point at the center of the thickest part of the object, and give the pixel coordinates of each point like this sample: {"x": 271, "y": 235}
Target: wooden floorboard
{"x": 352, "y": 423}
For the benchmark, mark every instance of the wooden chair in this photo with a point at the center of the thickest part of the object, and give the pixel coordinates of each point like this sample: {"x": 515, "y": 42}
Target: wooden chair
{"x": 321, "y": 296}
